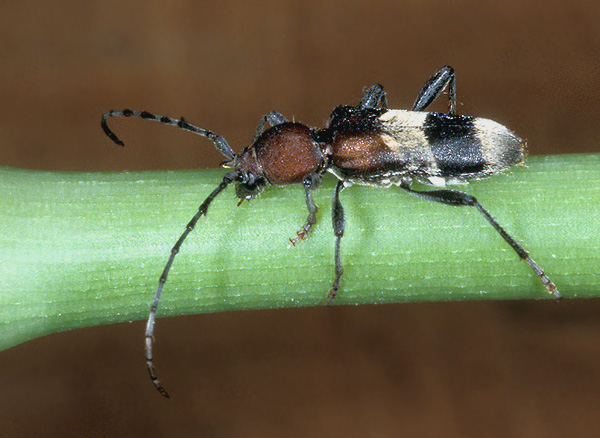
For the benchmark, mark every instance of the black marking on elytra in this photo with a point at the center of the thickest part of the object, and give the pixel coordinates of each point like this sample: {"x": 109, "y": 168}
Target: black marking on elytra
{"x": 454, "y": 143}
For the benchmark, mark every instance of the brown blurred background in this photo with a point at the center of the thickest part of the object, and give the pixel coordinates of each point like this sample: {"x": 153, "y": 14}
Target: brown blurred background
{"x": 447, "y": 369}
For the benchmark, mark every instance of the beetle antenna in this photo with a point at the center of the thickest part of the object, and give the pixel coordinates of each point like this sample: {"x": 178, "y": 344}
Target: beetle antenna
{"x": 227, "y": 179}
{"x": 220, "y": 143}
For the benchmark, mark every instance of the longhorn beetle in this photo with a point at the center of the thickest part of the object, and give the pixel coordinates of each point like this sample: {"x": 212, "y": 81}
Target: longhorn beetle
{"x": 368, "y": 144}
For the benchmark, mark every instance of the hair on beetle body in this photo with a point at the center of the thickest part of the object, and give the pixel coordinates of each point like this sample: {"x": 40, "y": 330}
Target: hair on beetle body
{"x": 367, "y": 144}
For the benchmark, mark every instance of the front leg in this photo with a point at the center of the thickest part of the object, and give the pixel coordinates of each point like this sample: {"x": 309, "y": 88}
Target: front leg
{"x": 274, "y": 118}
{"x": 311, "y": 182}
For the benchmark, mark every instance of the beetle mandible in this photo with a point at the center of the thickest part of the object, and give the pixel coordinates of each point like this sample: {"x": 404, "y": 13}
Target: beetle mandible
{"x": 367, "y": 144}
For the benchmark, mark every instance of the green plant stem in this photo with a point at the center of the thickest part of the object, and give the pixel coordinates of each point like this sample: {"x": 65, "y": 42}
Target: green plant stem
{"x": 81, "y": 249}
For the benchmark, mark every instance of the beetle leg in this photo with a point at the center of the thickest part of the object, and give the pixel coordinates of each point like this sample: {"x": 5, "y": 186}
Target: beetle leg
{"x": 453, "y": 197}
{"x": 311, "y": 182}
{"x": 338, "y": 219}
{"x": 274, "y": 118}
{"x": 372, "y": 97}
{"x": 433, "y": 88}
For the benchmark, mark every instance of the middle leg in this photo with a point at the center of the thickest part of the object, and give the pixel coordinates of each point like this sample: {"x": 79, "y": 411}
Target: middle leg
{"x": 338, "y": 219}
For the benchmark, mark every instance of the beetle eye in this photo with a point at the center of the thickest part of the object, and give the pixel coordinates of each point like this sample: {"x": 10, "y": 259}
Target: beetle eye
{"x": 248, "y": 190}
